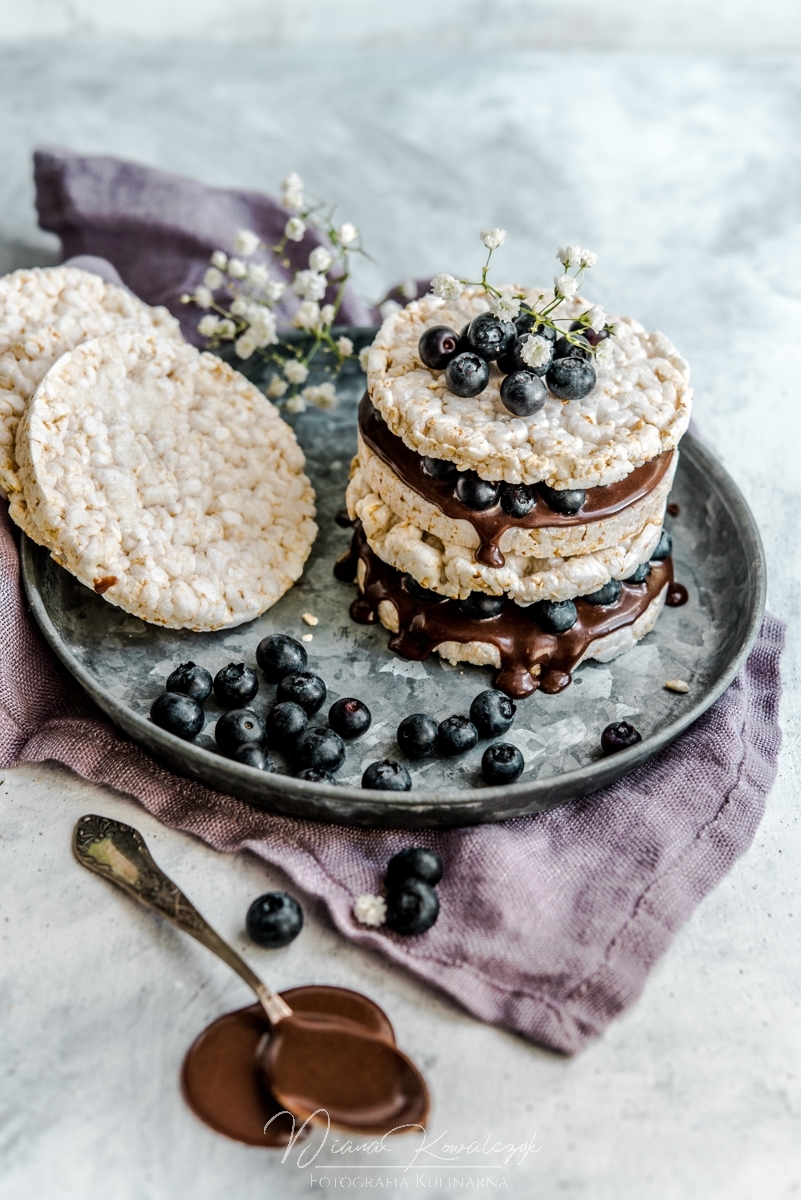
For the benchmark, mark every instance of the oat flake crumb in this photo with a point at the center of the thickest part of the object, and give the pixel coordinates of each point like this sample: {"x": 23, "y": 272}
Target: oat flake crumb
{"x": 307, "y": 637}
{"x": 310, "y": 619}
{"x": 677, "y": 685}
{"x": 370, "y": 910}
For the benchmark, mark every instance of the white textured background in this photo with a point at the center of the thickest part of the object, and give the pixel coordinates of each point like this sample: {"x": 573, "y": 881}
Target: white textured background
{"x": 687, "y": 25}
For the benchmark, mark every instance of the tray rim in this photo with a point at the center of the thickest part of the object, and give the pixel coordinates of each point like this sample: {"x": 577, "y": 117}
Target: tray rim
{"x": 436, "y": 807}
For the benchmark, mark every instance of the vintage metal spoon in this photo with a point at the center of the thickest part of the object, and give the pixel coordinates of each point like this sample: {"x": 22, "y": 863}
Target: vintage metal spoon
{"x": 315, "y": 1063}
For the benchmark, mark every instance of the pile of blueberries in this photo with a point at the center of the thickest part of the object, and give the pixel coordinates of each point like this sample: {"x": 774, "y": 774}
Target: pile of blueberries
{"x": 412, "y": 903}
{"x": 568, "y": 374}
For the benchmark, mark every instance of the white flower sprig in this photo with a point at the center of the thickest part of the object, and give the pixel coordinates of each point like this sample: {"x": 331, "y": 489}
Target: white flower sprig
{"x": 507, "y": 307}
{"x": 247, "y": 320}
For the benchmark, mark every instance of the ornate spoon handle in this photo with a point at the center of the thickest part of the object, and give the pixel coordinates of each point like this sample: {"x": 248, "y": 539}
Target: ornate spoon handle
{"x": 118, "y": 853}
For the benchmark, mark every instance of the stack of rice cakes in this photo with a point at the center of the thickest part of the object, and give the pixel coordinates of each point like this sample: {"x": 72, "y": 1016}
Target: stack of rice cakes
{"x": 157, "y": 475}
{"x": 478, "y": 586}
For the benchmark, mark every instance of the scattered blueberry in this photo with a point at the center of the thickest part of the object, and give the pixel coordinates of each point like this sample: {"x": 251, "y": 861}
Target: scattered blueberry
{"x": 237, "y": 727}
{"x": 437, "y": 347}
{"x": 502, "y": 763}
{"x": 279, "y": 654}
{"x": 517, "y": 500}
{"x": 349, "y": 718}
{"x": 513, "y": 359}
{"x": 579, "y": 349}
{"x": 412, "y": 907}
{"x": 387, "y": 776}
{"x": 467, "y": 374}
{"x": 303, "y": 688}
{"x": 423, "y": 594}
{"x": 619, "y": 736}
{"x": 523, "y": 393}
{"x": 664, "y": 547}
{"x": 319, "y": 748}
{"x": 640, "y": 575}
{"x": 253, "y": 755}
{"x": 417, "y": 735}
{"x": 456, "y": 735}
{"x": 190, "y": 680}
{"x": 475, "y": 492}
{"x": 570, "y": 378}
{"x": 178, "y": 714}
{"x": 492, "y": 713}
{"x": 274, "y": 920}
{"x": 315, "y": 775}
{"x": 608, "y": 594}
{"x": 416, "y": 862}
{"x": 566, "y": 501}
{"x": 554, "y": 616}
{"x": 284, "y": 722}
{"x": 481, "y": 607}
{"x": 490, "y": 337}
{"x": 439, "y": 468}
{"x": 235, "y": 685}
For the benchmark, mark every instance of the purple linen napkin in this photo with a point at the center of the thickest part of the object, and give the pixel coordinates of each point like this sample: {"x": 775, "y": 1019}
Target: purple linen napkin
{"x": 549, "y": 924}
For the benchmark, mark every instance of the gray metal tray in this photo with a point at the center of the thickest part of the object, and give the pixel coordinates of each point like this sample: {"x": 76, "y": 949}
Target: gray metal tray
{"x": 123, "y": 662}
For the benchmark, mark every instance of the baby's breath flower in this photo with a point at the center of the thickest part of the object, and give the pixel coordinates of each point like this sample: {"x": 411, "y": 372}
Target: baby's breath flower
{"x": 597, "y": 318}
{"x": 275, "y": 289}
{"x": 292, "y": 192}
{"x": 207, "y": 326}
{"x": 370, "y": 910}
{"x": 345, "y": 346}
{"x": 347, "y": 234}
{"x": 605, "y": 353}
{"x": 263, "y": 328}
{"x": 307, "y": 316}
{"x": 493, "y": 238}
{"x": 296, "y": 371}
{"x": 295, "y": 229}
{"x": 446, "y": 286}
{"x": 322, "y": 396}
{"x": 225, "y": 328}
{"x": 327, "y": 314}
{"x": 276, "y": 388}
{"x": 536, "y": 350}
{"x": 564, "y": 286}
{"x": 296, "y": 404}
{"x": 258, "y": 274}
{"x": 569, "y": 256}
{"x": 408, "y": 289}
{"x": 203, "y": 296}
{"x": 364, "y": 355}
{"x": 245, "y": 345}
{"x": 309, "y": 285}
{"x": 186, "y": 298}
{"x": 246, "y": 242}
{"x": 388, "y": 308}
{"x": 587, "y": 258}
{"x": 506, "y": 308}
{"x": 614, "y": 328}
{"x": 320, "y": 259}
{"x": 213, "y": 278}
{"x": 240, "y": 307}
{"x": 219, "y": 259}
{"x": 236, "y": 268}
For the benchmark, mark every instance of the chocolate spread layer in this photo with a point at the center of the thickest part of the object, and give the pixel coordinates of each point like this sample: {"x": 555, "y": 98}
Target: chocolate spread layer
{"x": 520, "y": 642}
{"x": 492, "y": 523}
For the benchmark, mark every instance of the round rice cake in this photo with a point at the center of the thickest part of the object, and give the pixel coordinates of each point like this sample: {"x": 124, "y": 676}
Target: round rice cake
{"x": 165, "y": 481}
{"x": 44, "y": 312}
{"x": 639, "y": 408}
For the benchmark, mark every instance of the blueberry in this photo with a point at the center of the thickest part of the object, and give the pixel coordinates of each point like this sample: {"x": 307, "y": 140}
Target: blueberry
{"x": 437, "y": 347}
{"x": 178, "y": 714}
{"x": 619, "y": 736}
{"x": 477, "y": 493}
{"x": 416, "y": 862}
{"x": 417, "y": 735}
{"x": 319, "y": 748}
{"x": 424, "y": 595}
{"x": 640, "y": 575}
{"x": 502, "y": 763}
{"x": 467, "y": 374}
{"x": 608, "y": 594}
{"x": 554, "y": 616}
{"x": 315, "y": 775}
{"x": 492, "y": 713}
{"x": 570, "y": 378}
{"x": 490, "y": 337}
{"x": 513, "y": 359}
{"x": 279, "y": 654}
{"x": 523, "y": 393}
{"x": 563, "y": 500}
{"x": 439, "y": 468}
{"x": 524, "y": 323}
{"x": 274, "y": 920}
{"x": 303, "y": 688}
{"x": 237, "y": 727}
{"x": 190, "y": 680}
{"x": 480, "y": 607}
{"x": 387, "y": 776}
{"x": 463, "y": 343}
{"x": 284, "y": 722}
{"x": 664, "y": 547}
{"x": 235, "y": 685}
{"x": 517, "y": 500}
{"x": 456, "y": 735}
{"x": 253, "y": 755}
{"x": 349, "y": 718}
{"x": 412, "y": 907}
{"x": 578, "y": 349}
{"x": 592, "y": 337}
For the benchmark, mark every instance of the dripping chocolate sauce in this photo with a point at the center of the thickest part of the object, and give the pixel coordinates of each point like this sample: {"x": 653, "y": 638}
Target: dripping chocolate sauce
{"x": 677, "y": 595}
{"x": 521, "y": 643}
{"x": 491, "y": 524}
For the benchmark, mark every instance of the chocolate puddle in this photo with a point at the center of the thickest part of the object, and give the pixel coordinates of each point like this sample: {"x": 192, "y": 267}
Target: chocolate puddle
{"x": 519, "y": 640}
{"x": 491, "y": 524}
